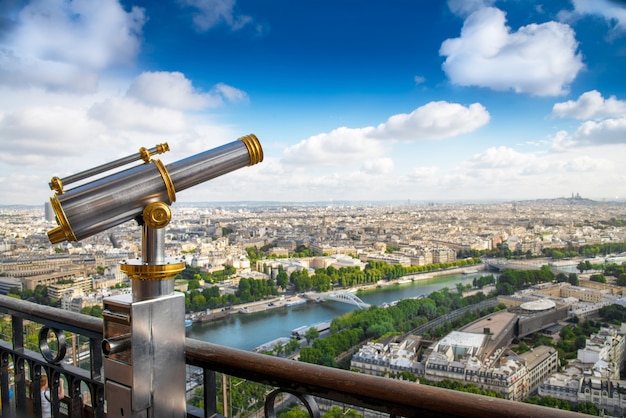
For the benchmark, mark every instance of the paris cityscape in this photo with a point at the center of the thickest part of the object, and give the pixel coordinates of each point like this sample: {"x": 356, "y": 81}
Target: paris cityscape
{"x": 291, "y": 237}
{"x": 364, "y": 209}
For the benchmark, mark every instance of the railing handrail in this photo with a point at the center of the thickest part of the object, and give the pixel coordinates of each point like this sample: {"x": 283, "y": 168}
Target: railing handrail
{"x": 86, "y": 325}
{"x": 395, "y": 397}
{"x": 392, "y": 396}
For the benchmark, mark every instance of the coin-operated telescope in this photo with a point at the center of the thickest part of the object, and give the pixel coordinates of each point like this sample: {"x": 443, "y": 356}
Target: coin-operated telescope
{"x": 144, "y": 332}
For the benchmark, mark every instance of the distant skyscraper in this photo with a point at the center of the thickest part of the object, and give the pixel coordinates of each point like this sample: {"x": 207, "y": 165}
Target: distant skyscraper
{"x": 49, "y": 213}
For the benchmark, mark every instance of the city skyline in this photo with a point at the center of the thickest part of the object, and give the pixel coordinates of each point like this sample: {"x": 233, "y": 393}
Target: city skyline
{"x": 406, "y": 101}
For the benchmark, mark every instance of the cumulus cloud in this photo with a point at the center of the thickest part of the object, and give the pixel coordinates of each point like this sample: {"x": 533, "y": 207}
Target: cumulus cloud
{"x": 537, "y": 59}
{"x": 31, "y": 132}
{"x": 174, "y": 90}
{"x": 41, "y": 50}
{"x": 612, "y": 11}
{"x": 210, "y": 13}
{"x": 338, "y": 147}
{"x": 610, "y": 131}
{"x": 435, "y": 120}
{"x": 590, "y": 105}
{"x": 498, "y": 157}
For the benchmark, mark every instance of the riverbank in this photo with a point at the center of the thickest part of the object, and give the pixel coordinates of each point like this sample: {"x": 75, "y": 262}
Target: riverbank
{"x": 293, "y": 300}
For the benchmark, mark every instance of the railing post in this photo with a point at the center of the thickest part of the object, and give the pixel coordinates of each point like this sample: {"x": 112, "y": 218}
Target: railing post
{"x": 210, "y": 393}
{"x": 4, "y": 383}
{"x": 20, "y": 382}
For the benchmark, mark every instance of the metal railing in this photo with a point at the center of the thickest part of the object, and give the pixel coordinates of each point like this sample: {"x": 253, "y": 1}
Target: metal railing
{"x": 21, "y": 368}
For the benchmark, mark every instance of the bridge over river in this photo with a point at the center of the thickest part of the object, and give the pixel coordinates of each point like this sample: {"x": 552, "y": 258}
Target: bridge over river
{"x": 344, "y": 297}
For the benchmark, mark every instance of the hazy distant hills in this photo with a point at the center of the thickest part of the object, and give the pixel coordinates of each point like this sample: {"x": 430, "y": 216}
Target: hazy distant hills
{"x": 559, "y": 201}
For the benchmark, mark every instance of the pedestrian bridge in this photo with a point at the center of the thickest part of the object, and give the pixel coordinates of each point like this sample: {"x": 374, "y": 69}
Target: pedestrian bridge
{"x": 344, "y": 297}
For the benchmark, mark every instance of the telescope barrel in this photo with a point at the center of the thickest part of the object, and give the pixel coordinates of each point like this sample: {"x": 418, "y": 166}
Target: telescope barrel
{"x": 213, "y": 163}
{"x": 107, "y": 202}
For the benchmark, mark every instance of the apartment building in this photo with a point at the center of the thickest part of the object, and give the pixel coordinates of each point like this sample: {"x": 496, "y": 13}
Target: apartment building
{"x": 594, "y": 376}
{"x": 76, "y": 286}
{"x": 459, "y": 356}
{"x": 388, "y": 358}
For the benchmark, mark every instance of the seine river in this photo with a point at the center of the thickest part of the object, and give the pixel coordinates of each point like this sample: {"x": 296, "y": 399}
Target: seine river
{"x": 247, "y": 331}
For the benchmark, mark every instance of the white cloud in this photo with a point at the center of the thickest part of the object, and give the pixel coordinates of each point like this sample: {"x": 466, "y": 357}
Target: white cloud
{"x": 592, "y": 134}
{"x": 498, "y": 157}
{"x": 173, "y": 90}
{"x": 503, "y": 173}
{"x": 210, "y": 13}
{"x": 377, "y": 166}
{"x": 610, "y": 131}
{"x": 590, "y": 105}
{"x": 419, "y": 79}
{"x": 341, "y": 146}
{"x": 538, "y": 59}
{"x": 38, "y": 133}
{"x": 612, "y": 11}
{"x": 435, "y": 120}
{"x": 464, "y": 8}
{"x": 422, "y": 173}
{"x": 228, "y": 93}
{"x": 127, "y": 114}
{"x": 586, "y": 164}
{"x": 41, "y": 50}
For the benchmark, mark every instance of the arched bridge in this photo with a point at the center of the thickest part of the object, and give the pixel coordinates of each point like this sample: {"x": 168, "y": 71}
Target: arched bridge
{"x": 344, "y": 297}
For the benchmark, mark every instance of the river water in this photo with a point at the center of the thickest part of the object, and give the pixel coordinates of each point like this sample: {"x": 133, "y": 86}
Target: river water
{"x": 247, "y": 331}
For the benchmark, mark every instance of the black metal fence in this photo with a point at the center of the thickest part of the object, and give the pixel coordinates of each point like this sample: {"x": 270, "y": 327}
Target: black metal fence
{"x": 22, "y": 366}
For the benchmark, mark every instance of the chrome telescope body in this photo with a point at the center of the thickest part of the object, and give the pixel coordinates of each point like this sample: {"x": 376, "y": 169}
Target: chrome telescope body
{"x": 112, "y": 200}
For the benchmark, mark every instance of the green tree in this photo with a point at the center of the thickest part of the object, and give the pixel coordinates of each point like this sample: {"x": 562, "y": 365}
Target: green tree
{"x": 282, "y": 279}
{"x": 588, "y": 408}
{"x": 292, "y": 345}
{"x": 279, "y": 348}
{"x": 337, "y": 412}
{"x": 311, "y": 334}
{"x": 95, "y": 310}
{"x": 600, "y": 278}
{"x": 294, "y": 412}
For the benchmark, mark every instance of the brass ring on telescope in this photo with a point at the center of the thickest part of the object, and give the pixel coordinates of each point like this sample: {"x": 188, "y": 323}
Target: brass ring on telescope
{"x": 169, "y": 184}
{"x": 157, "y": 215}
{"x": 144, "y": 154}
{"x": 64, "y": 230}
{"x": 254, "y": 148}
{"x": 138, "y": 271}
{"x": 56, "y": 185}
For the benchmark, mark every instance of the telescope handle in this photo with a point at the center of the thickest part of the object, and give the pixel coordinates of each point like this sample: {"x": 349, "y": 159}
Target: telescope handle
{"x": 56, "y": 184}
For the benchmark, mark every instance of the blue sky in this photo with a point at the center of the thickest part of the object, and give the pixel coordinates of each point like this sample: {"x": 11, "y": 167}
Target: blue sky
{"x": 351, "y": 100}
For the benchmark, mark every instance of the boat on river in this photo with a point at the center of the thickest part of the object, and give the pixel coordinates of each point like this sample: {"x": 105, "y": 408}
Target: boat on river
{"x": 295, "y": 302}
